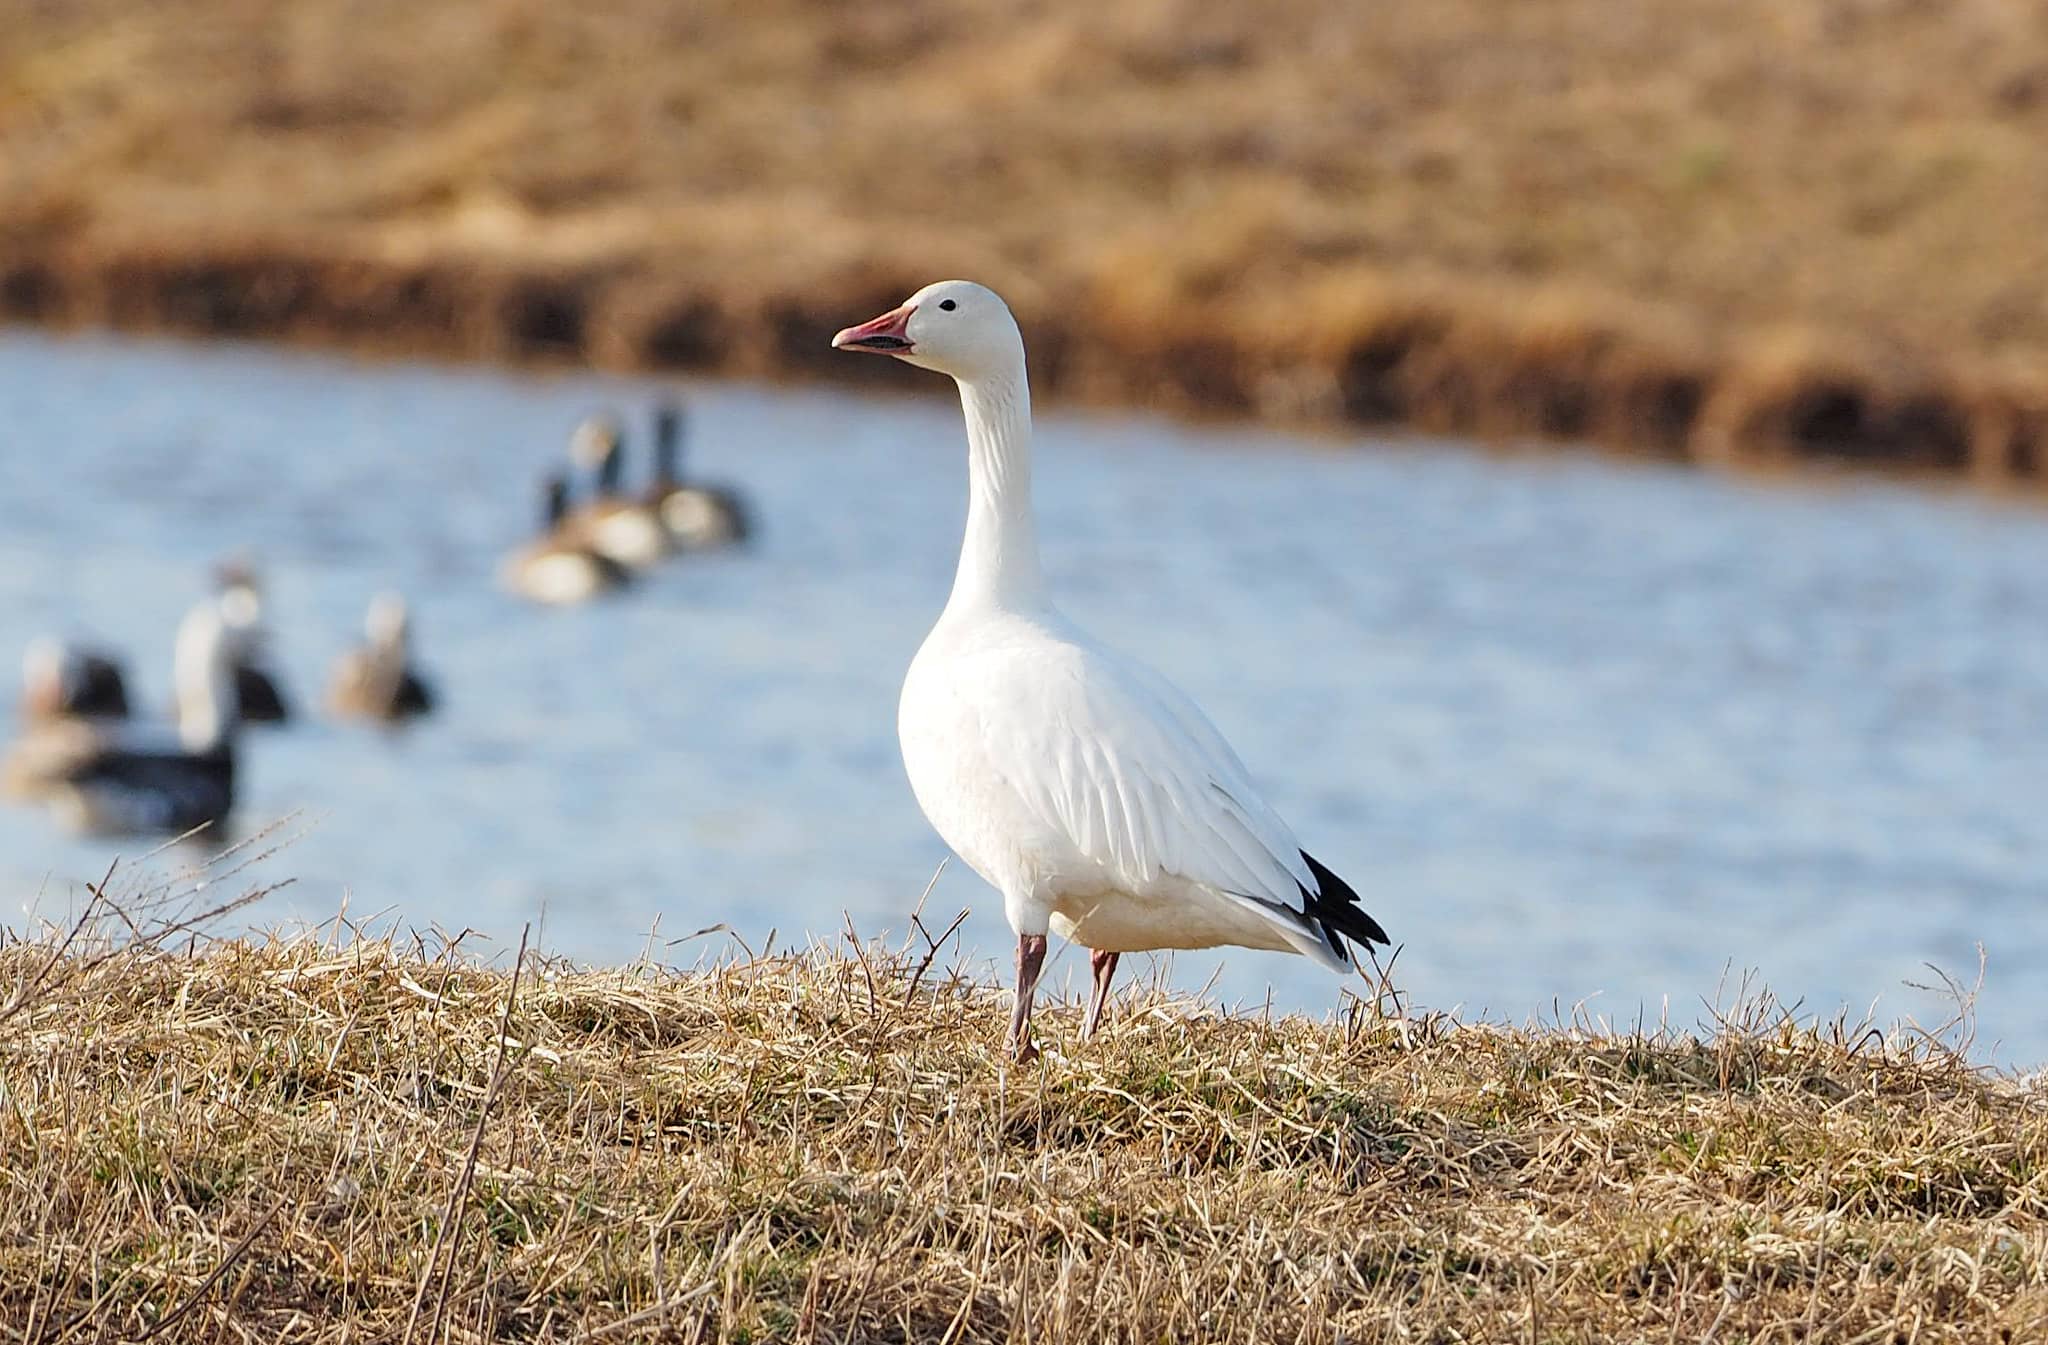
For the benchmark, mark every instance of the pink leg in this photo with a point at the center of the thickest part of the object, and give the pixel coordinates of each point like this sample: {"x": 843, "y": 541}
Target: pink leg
{"x": 1104, "y": 967}
{"x": 1030, "y": 957}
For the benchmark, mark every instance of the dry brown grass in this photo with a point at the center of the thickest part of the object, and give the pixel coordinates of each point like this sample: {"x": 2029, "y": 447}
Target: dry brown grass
{"x": 374, "y": 1140}
{"x": 1733, "y": 232}
{"x": 1740, "y": 230}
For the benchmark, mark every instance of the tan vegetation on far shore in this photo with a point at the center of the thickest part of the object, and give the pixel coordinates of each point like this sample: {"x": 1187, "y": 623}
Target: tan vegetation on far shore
{"x": 1745, "y": 231}
{"x": 347, "y": 1138}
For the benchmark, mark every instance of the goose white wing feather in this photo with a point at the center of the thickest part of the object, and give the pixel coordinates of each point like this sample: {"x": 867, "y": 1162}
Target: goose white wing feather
{"x": 1111, "y": 766}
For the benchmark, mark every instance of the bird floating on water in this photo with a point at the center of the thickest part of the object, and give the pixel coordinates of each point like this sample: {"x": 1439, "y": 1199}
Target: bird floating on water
{"x": 559, "y": 567}
{"x": 122, "y": 778}
{"x": 1084, "y": 787}
{"x": 377, "y": 679}
{"x": 258, "y": 690}
{"x": 698, "y": 516}
{"x": 64, "y": 680}
{"x": 613, "y": 523}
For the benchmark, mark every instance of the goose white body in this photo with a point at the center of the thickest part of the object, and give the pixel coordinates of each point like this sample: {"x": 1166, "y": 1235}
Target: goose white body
{"x": 557, "y": 567}
{"x": 697, "y": 516}
{"x": 624, "y": 531}
{"x": 560, "y": 573}
{"x": 1093, "y": 795}
{"x": 1086, "y": 788}
{"x": 702, "y": 518}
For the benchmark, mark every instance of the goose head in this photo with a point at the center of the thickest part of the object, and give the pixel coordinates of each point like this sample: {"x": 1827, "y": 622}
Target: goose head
{"x": 954, "y": 327}
{"x": 240, "y": 592}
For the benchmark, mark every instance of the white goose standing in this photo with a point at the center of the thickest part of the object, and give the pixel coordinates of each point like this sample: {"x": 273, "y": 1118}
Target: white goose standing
{"x": 1087, "y": 789}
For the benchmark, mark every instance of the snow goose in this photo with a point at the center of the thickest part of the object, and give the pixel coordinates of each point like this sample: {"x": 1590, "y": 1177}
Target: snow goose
{"x": 123, "y": 779}
{"x": 559, "y": 567}
{"x": 1083, "y": 786}
{"x": 377, "y": 680}
{"x": 257, "y": 689}
{"x": 62, "y": 680}
{"x": 613, "y": 523}
{"x": 698, "y": 516}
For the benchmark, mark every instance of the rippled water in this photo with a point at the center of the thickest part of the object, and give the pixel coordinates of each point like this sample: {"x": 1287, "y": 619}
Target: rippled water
{"x": 1577, "y": 728}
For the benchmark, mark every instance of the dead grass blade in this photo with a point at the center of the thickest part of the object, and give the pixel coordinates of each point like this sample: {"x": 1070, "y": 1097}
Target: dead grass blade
{"x": 449, "y": 1231}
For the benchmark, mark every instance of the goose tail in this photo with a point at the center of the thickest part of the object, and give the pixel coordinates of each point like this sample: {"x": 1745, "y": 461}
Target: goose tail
{"x": 1334, "y": 908}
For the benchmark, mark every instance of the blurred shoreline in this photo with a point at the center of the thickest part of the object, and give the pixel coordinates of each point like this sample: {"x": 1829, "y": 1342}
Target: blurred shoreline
{"x": 1407, "y": 361}
{"x": 1748, "y": 235}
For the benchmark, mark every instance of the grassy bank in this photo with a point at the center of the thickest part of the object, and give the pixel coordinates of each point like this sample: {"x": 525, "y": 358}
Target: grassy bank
{"x": 1740, "y": 232}
{"x": 370, "y": 1140}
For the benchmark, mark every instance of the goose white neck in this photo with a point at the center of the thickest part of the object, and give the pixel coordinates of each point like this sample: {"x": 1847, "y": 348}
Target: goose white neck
{"x": 205, "y": 677}
{"x": 999, "y": 555}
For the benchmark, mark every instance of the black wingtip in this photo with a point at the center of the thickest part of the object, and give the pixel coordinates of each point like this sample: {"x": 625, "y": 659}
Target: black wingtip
{"x": 1336, "y": 906}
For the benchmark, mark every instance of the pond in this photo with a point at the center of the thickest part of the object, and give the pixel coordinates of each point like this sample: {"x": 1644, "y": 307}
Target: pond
{"x": 1580, "y": 730}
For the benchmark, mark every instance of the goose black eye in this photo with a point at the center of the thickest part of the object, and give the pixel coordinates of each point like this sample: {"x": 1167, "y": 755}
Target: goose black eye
{"x": 948, "y": 305}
